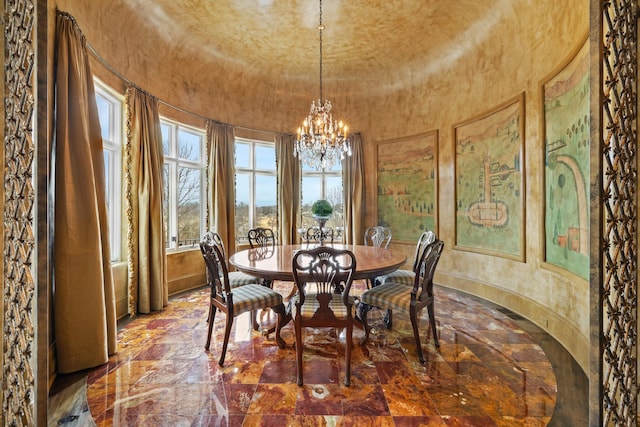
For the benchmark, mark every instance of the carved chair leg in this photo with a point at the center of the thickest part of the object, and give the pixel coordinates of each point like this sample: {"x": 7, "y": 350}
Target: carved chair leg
{"x": 363, "y": 309}
{"x": 388, "y": 319}
{"x": 432, "y": 322}
{"x": 211, "y": 318}
{"x": 254, "y": 318}
{"x": 227, "y": 333}
{"x": 298, "y": 329}
{"x": 347, "y": 376}
{"x": 280, "y": 310}
{"x": 254, "y": 321}
{"x": 414, "y": 323}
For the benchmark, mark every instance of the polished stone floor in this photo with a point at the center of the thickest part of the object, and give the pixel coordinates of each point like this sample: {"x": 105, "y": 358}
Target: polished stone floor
{"x": 493, "y": 368}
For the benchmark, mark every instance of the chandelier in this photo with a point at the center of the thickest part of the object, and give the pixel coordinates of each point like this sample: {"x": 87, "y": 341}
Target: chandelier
{"x": 322, "y": 141}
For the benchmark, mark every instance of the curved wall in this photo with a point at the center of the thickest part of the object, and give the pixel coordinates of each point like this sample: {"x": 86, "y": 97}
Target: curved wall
{"x": 526, "y": 46}
{"x": 522, "y": 43}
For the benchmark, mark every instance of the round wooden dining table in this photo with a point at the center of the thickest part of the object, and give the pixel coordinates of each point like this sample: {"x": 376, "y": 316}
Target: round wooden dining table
{"x": 274, "y": 263}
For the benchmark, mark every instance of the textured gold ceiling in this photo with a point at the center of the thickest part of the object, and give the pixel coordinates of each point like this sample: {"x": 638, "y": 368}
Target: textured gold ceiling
{"x": 375, "y": 40}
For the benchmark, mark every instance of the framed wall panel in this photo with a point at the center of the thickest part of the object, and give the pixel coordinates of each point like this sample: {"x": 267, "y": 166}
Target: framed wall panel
{"x": 407, "y": 176}
{"x": 566, "y": 165}
{"x": 489, "y": 182}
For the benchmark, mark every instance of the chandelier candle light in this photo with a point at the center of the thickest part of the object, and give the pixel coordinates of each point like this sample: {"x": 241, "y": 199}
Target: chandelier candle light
{"x": 322, "y": 141}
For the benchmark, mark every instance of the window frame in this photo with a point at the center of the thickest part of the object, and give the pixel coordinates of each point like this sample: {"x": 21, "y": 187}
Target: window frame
{"x": 254, "y": 173}
{"x": 113, "y": 148}
{"x": 323, "y": 174}
{"x": 173, "y": 162}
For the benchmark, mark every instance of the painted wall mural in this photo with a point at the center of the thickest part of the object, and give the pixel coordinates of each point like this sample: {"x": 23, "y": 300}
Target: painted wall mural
{"x": 566, "y": 136}
{"x": 407, "y": 185}
{"x": 489, "y": 182}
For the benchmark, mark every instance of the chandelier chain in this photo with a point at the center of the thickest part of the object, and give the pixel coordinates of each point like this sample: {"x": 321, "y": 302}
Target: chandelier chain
{"x": 320, "y": 27}
{"x": 322, "y": 141}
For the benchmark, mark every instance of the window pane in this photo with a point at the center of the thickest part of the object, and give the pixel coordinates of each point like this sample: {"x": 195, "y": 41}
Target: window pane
{"x": 265, "y": 157}
{"x": 333, "y": 193}
{"x": 189, "y": 145}
{"x": 189, "y": 200}
{"x": 243, "y": 155}
{"x": 266, "y": 211}
{"x": 337, "y": 167}
{"x": 183, "y": 184}
{"x": 306, "y": 168}
{"x": 333, "y": 190}
{"x": 107, "y": 176}
{"x": 109, "y": 111}
{"x": 169, "y": 244}
{"x": 311, "y": 191}
{"x": 104, "y": 115}
{"x": 166, "y": 135}
{"x": 243, "y": 186}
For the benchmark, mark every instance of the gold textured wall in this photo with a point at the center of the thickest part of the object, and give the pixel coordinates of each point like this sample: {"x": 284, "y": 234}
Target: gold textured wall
{"x": 520, "y": 44}
{"x": 497, "y": 69}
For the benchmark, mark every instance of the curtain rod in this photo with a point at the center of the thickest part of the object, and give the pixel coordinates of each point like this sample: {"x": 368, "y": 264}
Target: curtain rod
{"x": 119, "y": 75}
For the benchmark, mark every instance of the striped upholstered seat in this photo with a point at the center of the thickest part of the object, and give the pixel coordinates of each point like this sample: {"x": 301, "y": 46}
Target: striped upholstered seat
{"x": 254, "y": 297}
{"x": 389, "y": 296}
{"x": 398, "y": 277}
{"x": 238, "y": 278}
{"x": 311, "y": 306}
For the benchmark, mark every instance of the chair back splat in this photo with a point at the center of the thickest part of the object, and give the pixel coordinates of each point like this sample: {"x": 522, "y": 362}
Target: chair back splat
{"x": 377, "y": 236}
{"x": 406, "y": 276}
{"x": 318, "y": 234}
{"x": 425, "y": 239}
{"x": 262, "y": 241}
{"x": 260, "y": 237}
{"x": 323, "y": 277}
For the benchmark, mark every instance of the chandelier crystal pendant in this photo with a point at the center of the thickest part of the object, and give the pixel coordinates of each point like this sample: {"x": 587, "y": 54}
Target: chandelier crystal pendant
{"x": 322, "y": 141}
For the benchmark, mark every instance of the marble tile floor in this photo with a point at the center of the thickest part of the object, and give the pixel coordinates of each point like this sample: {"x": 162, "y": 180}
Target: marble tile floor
{"x": 493, "y": 368}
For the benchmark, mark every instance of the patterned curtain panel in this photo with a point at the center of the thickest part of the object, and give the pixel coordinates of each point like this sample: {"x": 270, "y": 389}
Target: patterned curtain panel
{"x": 288, "y": 189}
{"x": 147, "y": 281}
{"x": 353, "y": 184}
{"x": 84, "y": 298}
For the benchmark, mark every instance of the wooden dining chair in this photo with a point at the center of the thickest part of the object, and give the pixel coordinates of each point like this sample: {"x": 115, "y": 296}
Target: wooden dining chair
{"x": 409, "y": 299}
{"x": 236, "y": 278}
{"x": 323, "y": 276}
{"x": 405, "y": 277}
{"x": 320, "y": 235}
{"x": 262, "y": 238}
{"x": 263, "y": 241}
{"x": 377, "y": 236}
{"x": 237, "y": 300}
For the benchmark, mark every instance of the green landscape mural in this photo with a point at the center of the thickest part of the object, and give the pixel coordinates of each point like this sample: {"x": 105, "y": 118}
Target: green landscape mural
{"x": 489, "y": 199}
{"x": 407, "y": 186}
{"x": 566, "y": 118}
